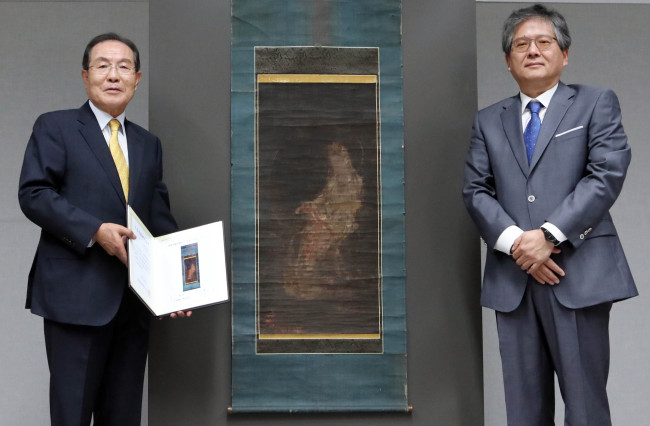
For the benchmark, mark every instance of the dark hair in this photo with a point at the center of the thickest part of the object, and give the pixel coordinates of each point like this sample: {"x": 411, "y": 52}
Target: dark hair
{"x": 536, "y": 11}
{"x": 108, "y": 37}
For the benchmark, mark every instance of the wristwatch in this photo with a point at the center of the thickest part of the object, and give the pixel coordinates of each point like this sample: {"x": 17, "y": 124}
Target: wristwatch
{"x": 549, "y": 236}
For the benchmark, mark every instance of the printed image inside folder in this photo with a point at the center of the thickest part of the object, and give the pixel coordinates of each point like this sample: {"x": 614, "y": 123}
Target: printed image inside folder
{"x": 181, "y": 271}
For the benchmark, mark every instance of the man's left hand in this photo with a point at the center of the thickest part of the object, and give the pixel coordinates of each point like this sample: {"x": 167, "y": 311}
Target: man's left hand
{"x": 548, "y": 273}
{"x": 179, "y": 314}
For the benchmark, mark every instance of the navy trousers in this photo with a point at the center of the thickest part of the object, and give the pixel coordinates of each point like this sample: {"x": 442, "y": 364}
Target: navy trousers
{"x": 98, "y": 372}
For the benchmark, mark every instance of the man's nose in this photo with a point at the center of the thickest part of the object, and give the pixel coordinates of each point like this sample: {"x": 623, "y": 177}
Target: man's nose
{"x": 113, "y": 74}
{"x": 533, "y": 49}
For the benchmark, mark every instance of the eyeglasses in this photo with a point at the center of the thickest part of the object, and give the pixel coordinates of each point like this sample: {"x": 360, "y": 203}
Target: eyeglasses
{"x": 104, "y": 69}
{"x": 522, "y": 44}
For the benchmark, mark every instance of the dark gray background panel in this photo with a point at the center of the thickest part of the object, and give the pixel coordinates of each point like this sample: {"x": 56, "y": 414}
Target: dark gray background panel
{"x": 189, "y": 107}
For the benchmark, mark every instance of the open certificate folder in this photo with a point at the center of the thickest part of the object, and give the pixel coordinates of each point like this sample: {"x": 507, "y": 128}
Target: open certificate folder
{"x": 179, "y": 271}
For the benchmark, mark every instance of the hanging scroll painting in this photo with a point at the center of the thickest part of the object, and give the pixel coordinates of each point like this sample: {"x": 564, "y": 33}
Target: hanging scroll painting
{"x": 317, "y": 207}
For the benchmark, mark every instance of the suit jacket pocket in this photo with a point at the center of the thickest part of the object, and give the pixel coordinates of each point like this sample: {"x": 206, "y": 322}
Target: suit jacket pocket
{"x": 569, "y": 134}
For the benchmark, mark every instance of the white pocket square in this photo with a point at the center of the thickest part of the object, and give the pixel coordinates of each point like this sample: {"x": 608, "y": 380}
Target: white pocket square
{"x": 569, "y": 131}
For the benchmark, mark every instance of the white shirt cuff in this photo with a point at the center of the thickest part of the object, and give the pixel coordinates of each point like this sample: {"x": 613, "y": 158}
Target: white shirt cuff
{"x": 507, "y": 238}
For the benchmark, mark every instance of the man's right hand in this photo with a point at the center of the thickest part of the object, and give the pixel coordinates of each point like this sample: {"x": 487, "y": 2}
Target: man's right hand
{"x": 113, "y": 237}
{"x": 544, "y": 272}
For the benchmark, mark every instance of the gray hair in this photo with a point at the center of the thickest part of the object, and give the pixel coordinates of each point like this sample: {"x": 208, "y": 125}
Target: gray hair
{"x": 536, "y": 11}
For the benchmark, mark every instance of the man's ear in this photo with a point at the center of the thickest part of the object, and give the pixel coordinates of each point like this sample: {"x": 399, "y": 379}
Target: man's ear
{"x": 84, "y": 76}
{"x": 138, "y": 77}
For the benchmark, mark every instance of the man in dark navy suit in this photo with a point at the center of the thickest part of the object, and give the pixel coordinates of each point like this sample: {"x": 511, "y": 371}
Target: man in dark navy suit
{"x": 96, "y": 330}
{"x": 543, "y": 169}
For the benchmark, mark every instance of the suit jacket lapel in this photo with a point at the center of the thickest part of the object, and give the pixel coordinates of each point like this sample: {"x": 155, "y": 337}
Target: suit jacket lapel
{"x": 560, "y": 103}
{"x": 136, "y": 146}
{"x": 511, "y": 119}
{"x": 95, "y": 139}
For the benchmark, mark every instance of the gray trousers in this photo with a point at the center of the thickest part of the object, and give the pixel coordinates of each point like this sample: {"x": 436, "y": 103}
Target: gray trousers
{"x": 541, "y": 337}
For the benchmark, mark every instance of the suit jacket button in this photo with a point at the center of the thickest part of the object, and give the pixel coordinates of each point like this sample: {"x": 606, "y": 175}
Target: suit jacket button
{"x": 531, "y": 198}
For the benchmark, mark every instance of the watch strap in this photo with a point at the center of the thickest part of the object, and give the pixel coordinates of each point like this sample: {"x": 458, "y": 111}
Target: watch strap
{"x": 550, "y": 237}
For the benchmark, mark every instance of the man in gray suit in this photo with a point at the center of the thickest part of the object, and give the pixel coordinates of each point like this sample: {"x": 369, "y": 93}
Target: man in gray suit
{"x": 543, "y": 169}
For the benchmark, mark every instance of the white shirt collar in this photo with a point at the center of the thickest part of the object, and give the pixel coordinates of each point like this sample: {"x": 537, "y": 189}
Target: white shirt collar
{"x": 544, "y": 98}
{"x": 103, "y": 117}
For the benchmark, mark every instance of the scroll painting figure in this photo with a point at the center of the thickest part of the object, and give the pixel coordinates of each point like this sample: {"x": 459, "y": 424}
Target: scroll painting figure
{"x": 331, "y": 218}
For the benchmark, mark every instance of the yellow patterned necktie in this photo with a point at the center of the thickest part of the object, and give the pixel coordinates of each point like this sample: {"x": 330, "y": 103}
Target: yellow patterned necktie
{"x": 118, "y": 157}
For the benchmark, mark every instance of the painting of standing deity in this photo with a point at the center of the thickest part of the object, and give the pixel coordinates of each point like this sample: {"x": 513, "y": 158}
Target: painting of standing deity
{"x": 190, "y": 258}
{"x": 318, "y": 216}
